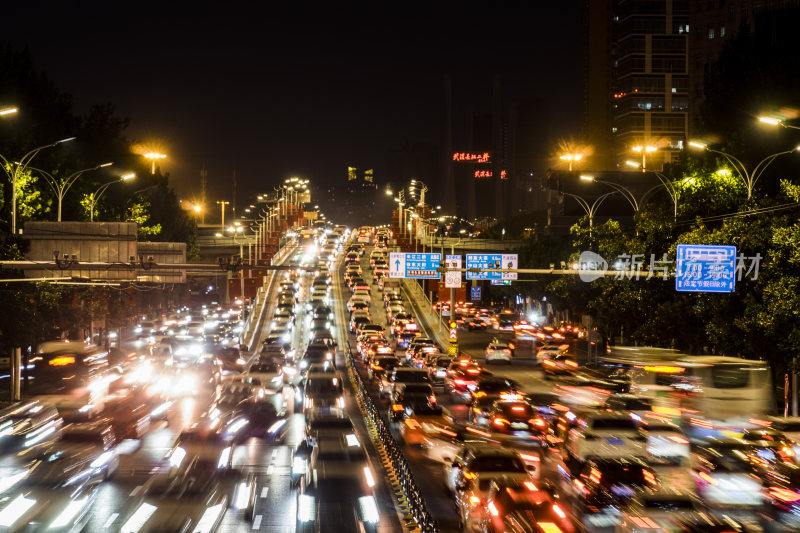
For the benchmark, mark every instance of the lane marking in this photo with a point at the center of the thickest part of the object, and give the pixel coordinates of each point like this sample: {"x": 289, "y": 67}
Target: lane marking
{"x": 135, "y": 491}
{"x": 257, "y": 522}
{"x": 270, "y": 469}
{"x": 274, "y": 453}
{"x": 110, "y": 520}
{"x": 264, "y": 492}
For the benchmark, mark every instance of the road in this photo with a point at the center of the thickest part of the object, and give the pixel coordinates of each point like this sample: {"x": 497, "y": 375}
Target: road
{"x": 428, "y": 474}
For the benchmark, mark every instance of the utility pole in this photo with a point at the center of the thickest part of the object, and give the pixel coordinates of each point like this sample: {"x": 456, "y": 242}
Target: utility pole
{"x": 203, "y": 184}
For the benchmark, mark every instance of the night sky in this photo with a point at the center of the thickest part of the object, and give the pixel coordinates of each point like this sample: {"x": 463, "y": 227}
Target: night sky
{"x": 281, "y": 92}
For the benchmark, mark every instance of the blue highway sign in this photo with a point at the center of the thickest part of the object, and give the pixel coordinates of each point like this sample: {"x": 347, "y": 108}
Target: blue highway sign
{"x": 500, "y": 261}
{"x": 702, "y": 268}
{"x": 414, "y": 266}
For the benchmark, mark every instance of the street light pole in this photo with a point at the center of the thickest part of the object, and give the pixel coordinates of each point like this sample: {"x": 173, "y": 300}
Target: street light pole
{"x": 19, "y": 168}
{"x": 60, "y": 188}
{"x": 590, "y": 209}
{"x": 222, "y": 204}
{"x": 95, "y": 196}
{"x": 749, "y": 178}
{"x": 624, "y": 191}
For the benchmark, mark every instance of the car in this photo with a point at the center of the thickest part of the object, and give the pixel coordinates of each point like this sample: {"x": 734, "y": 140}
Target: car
{"x": 425, "y": 421}
{"x": 342, "y": 486}
{"x": 476, "y": 458}
{"x": 129, "y": 419}
{"x": 357, "y": 319}
{"x": 168, "y": 500}
{"x": 437, "y": 365}
{"x": 408, "y": 396}
{"x": 666, "y": 442}
{"x": 261, "y": 418}
{"x": 547, "y": 351}
{"x": 771, "y": 444}
{"x": 402, "y": 375}
{"x": 323, "y": 390}
{"x": 496, "y": 386}
{"x": 724, "y": 473}
{"x": 268, "y": 372}
{"x": 639, "y": 405}
{"x": 380, "y": 365}
{"x": 561, "y": 364}
{"x": 516, "y": 418}
{"x": 657, "y": 510}
{"x": 498, "y": 351}
{"x": 604, "y": 483}
{"x": 82, "y": 446}
{"x": 605, "y": 434}
{"x": 27, "y": 424}
{"x": 461, "y": 378}
{"x": 512, "y": 505}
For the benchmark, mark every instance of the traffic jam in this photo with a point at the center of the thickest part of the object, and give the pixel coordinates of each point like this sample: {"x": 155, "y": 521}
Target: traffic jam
{"x": 186, "y": 429}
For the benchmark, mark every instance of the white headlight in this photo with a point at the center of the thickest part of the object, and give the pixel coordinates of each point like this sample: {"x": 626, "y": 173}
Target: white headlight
{"x": 306, "y": 508}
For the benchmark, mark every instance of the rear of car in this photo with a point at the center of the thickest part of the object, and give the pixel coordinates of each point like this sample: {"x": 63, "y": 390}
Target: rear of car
{"x": 608, "y": 435}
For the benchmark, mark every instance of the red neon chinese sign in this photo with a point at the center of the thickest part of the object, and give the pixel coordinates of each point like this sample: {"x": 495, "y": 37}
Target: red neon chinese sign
{"x": 489, "y": 174}
{"x": 471, "y": 157}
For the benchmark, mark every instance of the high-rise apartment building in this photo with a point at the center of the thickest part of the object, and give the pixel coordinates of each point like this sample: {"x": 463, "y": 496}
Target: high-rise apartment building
{"x": 636, "y": 66}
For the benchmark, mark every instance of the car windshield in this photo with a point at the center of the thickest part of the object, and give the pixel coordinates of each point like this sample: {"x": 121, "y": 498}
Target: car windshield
{"x": 85, "y": 437}
{"x": 411, "y": 377}
{"x": 323, "y": 386}
{"x": 497, "y": 463}
{"x": 428, "y": 410}
{"x": 495, "y": 386}
{"x": 616, "y": 474}
{"x": 331, "y": 423}
{"x": 669, "y": 504}
{"x": 265, "y": 368}
{"x": 638, "y": 405}
{"x": 613, "y": 423}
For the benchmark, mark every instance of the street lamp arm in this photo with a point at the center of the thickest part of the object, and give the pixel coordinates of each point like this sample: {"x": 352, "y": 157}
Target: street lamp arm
{"x": 583, "y": 203}
{"x": 737, "y": 164}
{"x": 624, "y": 191}
{"x": 599, "y": 201}
{"x": 764, "y": 163}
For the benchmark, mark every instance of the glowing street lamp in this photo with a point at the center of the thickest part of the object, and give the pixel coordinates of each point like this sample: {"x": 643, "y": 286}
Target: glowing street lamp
{"x": 644, "y": 150}
{"x": 153, "y": 156}
{"x": 95, "y": 196}
{"x": 5, "y": 111}
{"x": 772, "y": 121}
{"x": 571, "y": 157}
{"x": 624, "y": 191}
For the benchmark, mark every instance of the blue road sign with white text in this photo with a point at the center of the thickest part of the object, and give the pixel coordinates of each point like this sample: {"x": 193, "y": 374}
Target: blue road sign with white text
{"x": 414, "y": 266}
{"x": 499, "y": 261}
{"x": 704, "y": 268}
{"x": 475, "y": 294}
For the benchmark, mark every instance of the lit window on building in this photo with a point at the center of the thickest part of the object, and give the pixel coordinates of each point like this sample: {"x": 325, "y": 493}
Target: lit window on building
{"x": 710, "y": 33}
{"x": 722, "y": 32}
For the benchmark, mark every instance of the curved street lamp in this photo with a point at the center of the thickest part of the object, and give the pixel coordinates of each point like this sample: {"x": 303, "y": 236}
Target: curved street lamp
{"x": 19, "y": 168}
{"x": 95, "y": 196}
{"x": 61, "y": 187}
{"x": 624, "y": 191}
{"x": 590, "y": 209}
{"x": 749, "y": 178}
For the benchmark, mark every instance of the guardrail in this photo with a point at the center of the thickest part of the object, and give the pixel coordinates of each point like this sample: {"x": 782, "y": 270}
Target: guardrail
{"x": 469, "y": 243}
{"x": 256, "y": 317}
{"x": 408, "y": 497}
{"x": 437, "y": 326}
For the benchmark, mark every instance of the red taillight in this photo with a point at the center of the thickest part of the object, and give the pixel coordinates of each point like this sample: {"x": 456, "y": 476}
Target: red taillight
{"x": 649, "y": 477}
{"x": 559, "y": 511}
{"x": 474, "y": 501}
{"x": 376, "y": 367}
{"x": 530, "y": 458}
{"x": 500, "y": 422}
{"x": 460, "y": 382}
{"x": 572, "y": 364}
{"x": 432, "y": 398}
{"x": 538, "y": 422}
{"x": 397, "y": 407}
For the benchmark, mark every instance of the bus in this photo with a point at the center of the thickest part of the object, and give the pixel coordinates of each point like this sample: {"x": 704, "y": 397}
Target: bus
{"x": 72, "y": 375}
{"x": 710, "y": 395}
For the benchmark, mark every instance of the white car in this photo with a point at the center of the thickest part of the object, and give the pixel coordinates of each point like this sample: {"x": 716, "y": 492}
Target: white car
{"x": 498, "y": 351}
{"x": 606, "y": 434}
{"x": 666, "y": 441}
{"x": 481, "y": 457}
{"x": 656, "y": 512}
